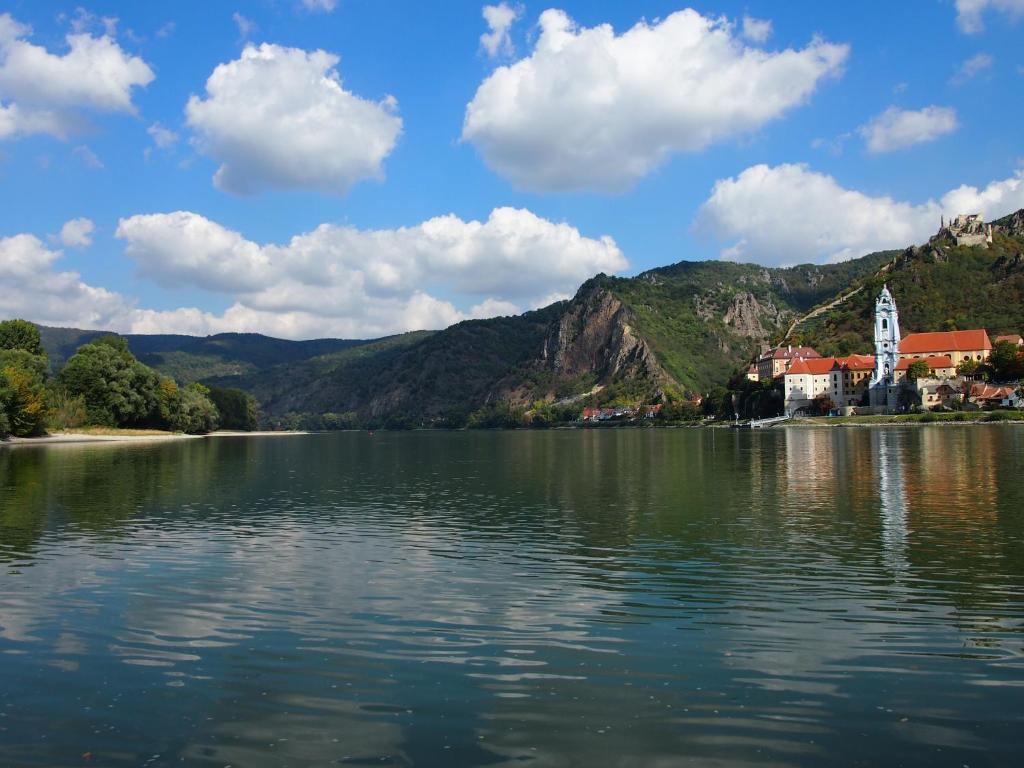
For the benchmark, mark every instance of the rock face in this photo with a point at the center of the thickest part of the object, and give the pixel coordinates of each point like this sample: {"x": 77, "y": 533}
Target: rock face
{"x": 595, "y": 335}
{"x": 1012, "y": 225}
{"x": 744, "y": 316}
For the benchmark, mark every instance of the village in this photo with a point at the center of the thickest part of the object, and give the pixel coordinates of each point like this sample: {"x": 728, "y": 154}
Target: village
{"x": 930, "y": 371}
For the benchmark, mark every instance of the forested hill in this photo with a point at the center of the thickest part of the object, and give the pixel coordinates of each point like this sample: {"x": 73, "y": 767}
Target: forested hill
{"x": 191, "y": 358}
{"x": 662, "y": 335}
{"x": 937, "y": 286}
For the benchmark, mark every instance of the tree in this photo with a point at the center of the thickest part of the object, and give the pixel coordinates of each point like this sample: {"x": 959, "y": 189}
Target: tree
{"x": 967, "y": 367}
{"x": 117, "y": 389}
{"x": 918, "y": 369}
{"x": 196, "y": 413}
{"x": 237, "y": 409}
{"x": 22, "y": 391}
{"x": 21, "y": 334}
{"x": 22, "y": 400}
{"x": 1005, "y": 360}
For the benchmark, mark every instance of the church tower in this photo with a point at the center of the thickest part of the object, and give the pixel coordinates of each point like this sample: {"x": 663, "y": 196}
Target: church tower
{"x": 887, "y": 346}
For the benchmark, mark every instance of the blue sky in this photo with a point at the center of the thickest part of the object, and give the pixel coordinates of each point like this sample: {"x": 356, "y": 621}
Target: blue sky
{"x": 808, "y": 132}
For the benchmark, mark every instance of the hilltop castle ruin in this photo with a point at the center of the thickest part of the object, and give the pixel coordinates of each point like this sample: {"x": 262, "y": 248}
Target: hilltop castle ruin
{"x": 966, "y": 229}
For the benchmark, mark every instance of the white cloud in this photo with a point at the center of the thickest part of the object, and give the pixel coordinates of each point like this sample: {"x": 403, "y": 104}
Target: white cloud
{"x": 971, "y": 68}
{"x": 789, "y": 214}
{"x": 42, "y": 92}
{"x": 342, "y": 280}
{"x": 332, "y": 281}
{"x": 77, "y": 233}
{"x": 163, "y": 137}
{"x": 592, "y": 109}
{"x": 969, "y": 13}
{"x": 280, "y": 117}
{"x": 245, "y": 25}
{"x": 89, "y": 158}
{"x": 900, "y": 128}
{"x": 324, "y": 6}
{"x": 500, "y": 19}
{"x": 757, "y": 30}
{"x": 34, "y": 290}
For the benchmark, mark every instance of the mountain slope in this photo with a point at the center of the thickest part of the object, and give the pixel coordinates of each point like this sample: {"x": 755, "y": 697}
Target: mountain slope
{"x": 937, "y": 286}
{"x": 191, "y": 358}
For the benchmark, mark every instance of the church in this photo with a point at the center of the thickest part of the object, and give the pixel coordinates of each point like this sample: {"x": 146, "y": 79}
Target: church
{"x": 845, "y": 380}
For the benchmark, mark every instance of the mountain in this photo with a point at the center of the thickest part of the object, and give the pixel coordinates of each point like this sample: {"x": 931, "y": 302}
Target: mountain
{"x": 191, "y": 358}
{"x": 661, "y": 335}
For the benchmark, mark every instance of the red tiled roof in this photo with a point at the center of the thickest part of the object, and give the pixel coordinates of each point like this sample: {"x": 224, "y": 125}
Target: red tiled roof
{"x": 935, "y": 361}
{"x": 815, "y": 366}
{"x": 990, "y": 392}
{"x": 944, "y": 341}
{"x": 857, "y": 362}
{"x": 1013, "y": 338}
{"x": 785, "y": 353}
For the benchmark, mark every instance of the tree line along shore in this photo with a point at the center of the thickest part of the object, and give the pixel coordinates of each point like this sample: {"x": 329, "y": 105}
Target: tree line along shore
{"x": 102, "y": 386}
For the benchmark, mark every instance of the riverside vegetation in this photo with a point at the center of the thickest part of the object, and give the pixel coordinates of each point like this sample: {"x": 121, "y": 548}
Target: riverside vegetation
{"x": 665, "y": 336}
{"x": 102, "y": 384}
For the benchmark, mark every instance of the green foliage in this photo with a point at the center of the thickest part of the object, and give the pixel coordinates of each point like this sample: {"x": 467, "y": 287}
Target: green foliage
{"x": 918, "y": 370}
{"x": 20, "y": 334}
{"x": 237, "y": 408}
{"x": 497, "y": 416}
{"x": 195, "y": 413}
{"x": 22, "y": 396}
{"x": 65, "y": 411}
{"x": 1006, "y": 361}
{"x": 117, "y": 389}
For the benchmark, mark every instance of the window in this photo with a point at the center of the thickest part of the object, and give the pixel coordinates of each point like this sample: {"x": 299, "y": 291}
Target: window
{"x": 885, "y": 324}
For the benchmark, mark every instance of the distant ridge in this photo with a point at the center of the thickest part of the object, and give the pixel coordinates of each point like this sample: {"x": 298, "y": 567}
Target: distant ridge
{"x": 662, "y": 335}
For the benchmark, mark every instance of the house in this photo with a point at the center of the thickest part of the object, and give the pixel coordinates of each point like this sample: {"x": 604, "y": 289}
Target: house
{"x": 807, "y": 380}
{"x": 956, "y": 345}
{"x": 992, "y": 396}
{"x": 1013, "y": 338}
{"x": 752, "y": 374}
{"x": 941, "y": 367}
{"x": 857, "y": 370}
{"x": 941, "y": 393}
{"x": 774, "y": 362}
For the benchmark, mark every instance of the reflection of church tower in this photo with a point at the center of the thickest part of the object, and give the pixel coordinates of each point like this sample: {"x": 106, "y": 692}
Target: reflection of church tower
{"x": 887, "y": 346}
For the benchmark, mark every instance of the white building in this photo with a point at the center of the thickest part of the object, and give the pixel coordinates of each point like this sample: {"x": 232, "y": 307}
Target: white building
{"x": 887, "y": 350}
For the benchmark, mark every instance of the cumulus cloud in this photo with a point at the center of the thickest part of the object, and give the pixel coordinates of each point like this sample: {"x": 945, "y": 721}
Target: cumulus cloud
{"x": 971, "y": 68}
{"x": 44, "y": 92}
{"x": 34, "y": 289}
{"x": 590, "y": 109}
{"x": 789, "y": 214}
{"x": 900, "y": 128}
{"x": 342, "y": 280}
{"x": 756, "y": 30}
{"x": 970, "y": 13}
{"x": 499, "y": 18}
{"x": 77, "y": 233}
{"x": 280, "y": 117}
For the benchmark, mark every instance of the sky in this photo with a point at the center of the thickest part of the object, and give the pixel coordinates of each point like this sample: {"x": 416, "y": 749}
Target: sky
{"x": 357, "y": 168}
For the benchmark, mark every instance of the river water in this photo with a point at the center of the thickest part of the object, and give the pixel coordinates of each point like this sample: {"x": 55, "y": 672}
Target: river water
{"x": 786, "y": 597}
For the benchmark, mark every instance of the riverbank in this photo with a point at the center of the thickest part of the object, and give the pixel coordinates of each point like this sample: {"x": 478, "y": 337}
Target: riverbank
{"x": 105, "y": 435}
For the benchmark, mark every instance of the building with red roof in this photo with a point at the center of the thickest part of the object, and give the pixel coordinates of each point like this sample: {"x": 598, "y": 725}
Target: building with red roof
{"x": 940, "y": 366}
{"x": 775, "y": 362}
{"x": 956, "y": 345}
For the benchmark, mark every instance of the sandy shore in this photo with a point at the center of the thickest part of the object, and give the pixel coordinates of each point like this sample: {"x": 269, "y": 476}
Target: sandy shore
{"x": 128, "y": 436}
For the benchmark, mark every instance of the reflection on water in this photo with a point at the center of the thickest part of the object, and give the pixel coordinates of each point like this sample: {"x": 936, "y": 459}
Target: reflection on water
{"x": 634, "y": 597}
